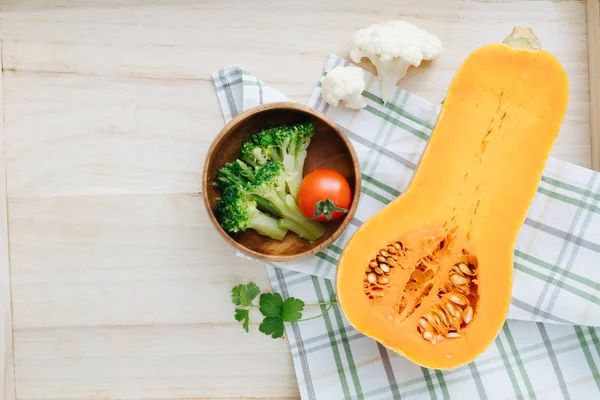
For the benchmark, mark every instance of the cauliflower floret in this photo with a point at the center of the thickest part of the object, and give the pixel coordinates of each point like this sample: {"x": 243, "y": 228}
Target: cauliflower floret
{"x": 393, "y": 47}
{"x": 344, "y": 84}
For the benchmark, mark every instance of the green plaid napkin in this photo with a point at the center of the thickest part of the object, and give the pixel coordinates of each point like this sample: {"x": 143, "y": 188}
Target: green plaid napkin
{"x": 556, "y": 281}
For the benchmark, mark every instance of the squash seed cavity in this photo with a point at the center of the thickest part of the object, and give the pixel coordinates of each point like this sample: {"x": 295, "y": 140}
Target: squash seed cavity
{"x": 436, "y": 272}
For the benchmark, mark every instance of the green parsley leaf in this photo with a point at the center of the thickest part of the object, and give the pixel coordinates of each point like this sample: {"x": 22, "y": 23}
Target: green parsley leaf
{"x": 242, "y": 295}
{"x": 243, "y": 315}
{"x": 272, "y": 326}
{"x": 292, "y": 308}
{"x": 271, "y": 304}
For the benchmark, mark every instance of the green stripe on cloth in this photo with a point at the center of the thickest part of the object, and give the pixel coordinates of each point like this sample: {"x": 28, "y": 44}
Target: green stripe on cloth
{"x": 550, "y": 267}
{"x": 334, "y": 348}
{"x": 594, "y": 336}
{"x": 392, "y": 107}
{"x": 518, "y": 360}
{"x": 508, "y": 368}
{"x": 375, "y": 196}
{"x": 429, "y": 383}
{"x": 442, "y": 383}
{"x": 335, "y": 249}
{"x": 327, "y": 258}
{"x": 380, "y": 185}
{"x": 572, "y": 188}
{"x": 588, "y": 355}
{"x": 371, "y": 160}
{"x": 396, "y": 122}
{"x": 555, "y": 281}
{"x": 570, "y": 200}
{"x": 351, "y": 365}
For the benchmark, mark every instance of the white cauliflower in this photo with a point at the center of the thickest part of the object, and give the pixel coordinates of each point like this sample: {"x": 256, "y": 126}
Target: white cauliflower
{"x": 344, "y": 84}
{"x": 393, "y": 47}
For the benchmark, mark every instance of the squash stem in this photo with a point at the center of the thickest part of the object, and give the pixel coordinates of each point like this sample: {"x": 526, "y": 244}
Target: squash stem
{"x": 523, "y": 38}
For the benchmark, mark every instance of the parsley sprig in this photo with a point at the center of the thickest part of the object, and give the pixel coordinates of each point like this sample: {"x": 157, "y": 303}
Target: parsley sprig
{"x": 271, "y": 305}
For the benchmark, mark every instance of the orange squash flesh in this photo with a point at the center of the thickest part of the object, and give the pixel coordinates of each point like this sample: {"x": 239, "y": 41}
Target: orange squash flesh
{"x": 470, "y": 193}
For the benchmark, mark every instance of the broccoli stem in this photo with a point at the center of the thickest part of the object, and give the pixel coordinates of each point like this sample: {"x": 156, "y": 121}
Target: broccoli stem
{"x": 265, "y": 205}
{"x": 295, "y": 221}
{"x": 298, "y": 167}
{"x": 305, "y": 232}
{"x": 293, "y": 184}
{"x": 268, "y": 226}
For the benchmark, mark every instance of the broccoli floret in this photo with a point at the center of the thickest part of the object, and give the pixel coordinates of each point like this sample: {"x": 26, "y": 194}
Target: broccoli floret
{"x": 236, "y": 212}
{"x": 240, "y": 174}
{"x": 236, "y": 173}
{"x": 287, "y": 144}
{"x": 270, "y": 184}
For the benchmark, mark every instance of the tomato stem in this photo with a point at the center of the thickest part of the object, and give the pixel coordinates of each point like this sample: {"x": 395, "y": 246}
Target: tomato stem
{"x": 326, "y": 207}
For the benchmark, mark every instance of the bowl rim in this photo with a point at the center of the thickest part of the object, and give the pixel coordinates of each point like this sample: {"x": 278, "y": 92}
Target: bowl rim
{"x": 316, "y": 114}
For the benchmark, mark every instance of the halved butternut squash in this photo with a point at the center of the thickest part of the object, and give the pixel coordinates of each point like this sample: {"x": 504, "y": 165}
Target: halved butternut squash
{"x": 430, "y": 275}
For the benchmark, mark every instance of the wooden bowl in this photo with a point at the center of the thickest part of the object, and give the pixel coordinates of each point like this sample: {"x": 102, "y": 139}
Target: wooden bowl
{"x": 329, "y": 148}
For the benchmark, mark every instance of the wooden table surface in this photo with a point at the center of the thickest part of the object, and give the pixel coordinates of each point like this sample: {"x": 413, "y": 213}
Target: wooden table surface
{"x": 118, "y": 285}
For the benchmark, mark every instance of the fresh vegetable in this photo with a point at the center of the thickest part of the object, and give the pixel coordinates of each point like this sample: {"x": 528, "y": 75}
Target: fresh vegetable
{"x": 393, "y": 47}
{"x": 324, "y": 195}
{"x": 430, "y": 275}
{"x": 287, "y": 144}
{"x": 236, "y": 173}
{"x": 271, "y": 305}
{"x": 344, "y": 84}
{"x": 270, "y": 185}
{"x": 236, "y": 212}
{"x": 264, "y": 189}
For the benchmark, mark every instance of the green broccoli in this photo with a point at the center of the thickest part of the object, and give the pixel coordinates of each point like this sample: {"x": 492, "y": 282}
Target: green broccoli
{"x": 240, "y": 174}
{"x": 236, "y": 212}
{"x": 236, "y": 173}
{"x": 287, "y": 144}
{"x": 270, "y": 184}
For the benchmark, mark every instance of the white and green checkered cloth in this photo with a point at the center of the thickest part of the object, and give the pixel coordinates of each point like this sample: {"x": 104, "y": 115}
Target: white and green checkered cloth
{"x": 549, "y": 348}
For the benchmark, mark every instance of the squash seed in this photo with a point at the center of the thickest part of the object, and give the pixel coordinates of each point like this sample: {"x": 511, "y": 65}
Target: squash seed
{"x": 459, "y": 280}
{"x": 468, "y": 316}
{"x": 378, "y": 271}
{"x": 458, "y": 299}
{"x": 381, "y": 258}
{"x": 382, "y": 280}
{"x": 454, "y": 322}
{"x": 441, "y": 314}
{"x": 425, "y": 325}
{"x": 464, "y": 269}
{"x": 453, "y": 335}
{"x": 384, "y": 267}
{"x": 436, "y": 339}
{"x": 398, "y": 245}
{"x": 391, "y": 250}
{"x": 427, "y": 335}
{"x": 430, "y": 319}
{"x": 451, "y": 309}
{"x": 373, "y": 264}
{"x": 371, "y": 277}
{"x": 391, "y": 262}
{"x": 384, "y": 253}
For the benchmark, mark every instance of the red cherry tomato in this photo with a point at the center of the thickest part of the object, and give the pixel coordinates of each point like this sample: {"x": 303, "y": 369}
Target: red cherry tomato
{"x": 324, "y": 195}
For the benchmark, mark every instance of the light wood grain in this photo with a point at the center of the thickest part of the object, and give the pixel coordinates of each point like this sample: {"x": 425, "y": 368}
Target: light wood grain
{"x": 593, "y": 23}
{"x": 120, "y": 283}
{"x": 123, "y": 299}
{"x": 7, "y": 377}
